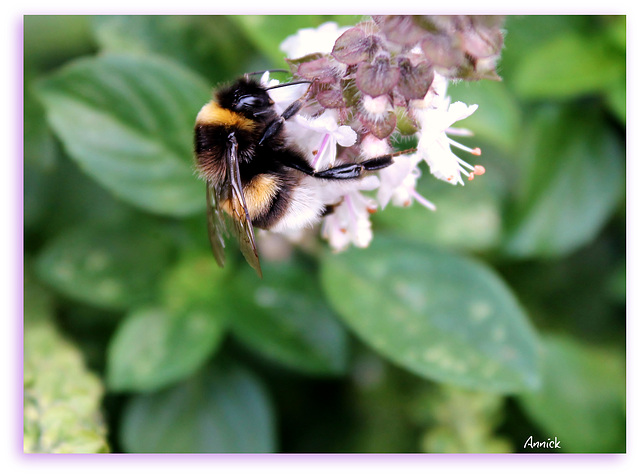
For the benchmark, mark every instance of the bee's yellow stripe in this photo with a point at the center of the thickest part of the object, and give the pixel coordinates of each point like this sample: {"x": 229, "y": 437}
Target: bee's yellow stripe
{"x": 214, "y": 115}
{"x": 258, "y": 193}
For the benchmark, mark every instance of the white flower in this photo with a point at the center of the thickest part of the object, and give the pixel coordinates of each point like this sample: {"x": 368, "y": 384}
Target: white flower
{"x": 312, "y": 40}
{"x": 435, "y": 146}
{"x": 350, "y": 222}
{"x": 320, "y": 137}
{"x": 398, "y": 183}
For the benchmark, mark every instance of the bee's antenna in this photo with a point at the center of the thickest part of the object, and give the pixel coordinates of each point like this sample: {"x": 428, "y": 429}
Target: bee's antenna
{"x": 302, "y": 81}
{"x": 268, "y": 71}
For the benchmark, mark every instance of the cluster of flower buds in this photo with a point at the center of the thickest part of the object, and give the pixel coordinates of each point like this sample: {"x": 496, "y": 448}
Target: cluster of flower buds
{"x": 387, "y": 75}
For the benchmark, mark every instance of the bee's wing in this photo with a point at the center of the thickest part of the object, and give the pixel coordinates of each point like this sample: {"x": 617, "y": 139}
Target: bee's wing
{"x": 215, "y": 223}
{"x": 242, "y": 227}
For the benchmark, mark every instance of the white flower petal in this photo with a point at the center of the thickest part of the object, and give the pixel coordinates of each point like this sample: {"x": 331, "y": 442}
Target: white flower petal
{"x": 346, "y": 136}
{"x": 397, "y": 180}
{"x": 284, "y": 96}
{"x": 459, "y": 110}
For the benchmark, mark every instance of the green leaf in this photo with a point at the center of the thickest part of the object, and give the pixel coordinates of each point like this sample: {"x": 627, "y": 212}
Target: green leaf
{"x": 194, "y": 282}
{"x": 113, "y": 268}
{"x": 567, "y": 66}
{"x": 61, "y": 398}
{"x": 574, "y": 180}
{"x": 285, "y": 318}
{"x": 220, "y": 410}
{"x": 153, "y": 348}
{"x": 439, "y": 315}
{"x": 582, "y": 397}
{"x": 128, "y": 122}
{"x": 74, "y": 199}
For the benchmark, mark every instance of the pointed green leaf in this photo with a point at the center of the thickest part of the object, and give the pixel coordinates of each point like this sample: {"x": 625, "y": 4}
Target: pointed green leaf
{"x": 128, "y": 122}
{"x": 220, "y": 410}
{"x": 153, "y": 348}
{"x": 439, "y": 315}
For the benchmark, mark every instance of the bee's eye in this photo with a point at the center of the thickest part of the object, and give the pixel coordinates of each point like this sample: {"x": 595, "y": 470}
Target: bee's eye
{"x": 251, "y": 102}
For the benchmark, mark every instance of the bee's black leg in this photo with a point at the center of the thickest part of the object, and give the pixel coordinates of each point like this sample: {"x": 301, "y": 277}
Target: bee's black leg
{"x": 352, "y": 171}
{"x": 294, "y": 108}
{"x": 274, "y": 127}
{"x": 340, "y": 172}
{"x": 378, "y": 162}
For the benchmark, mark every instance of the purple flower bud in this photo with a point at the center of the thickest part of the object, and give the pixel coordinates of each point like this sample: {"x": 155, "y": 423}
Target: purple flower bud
{"x": 481, "y": 43}
{"x": 442, "y": 52}
{"x": 414, "y": 81}
{"x": 320, "y": 70}
{"x": 400, "y": 29}
{"x": 355, "y": 46}
{"x": 331, "y": 99}
{"x": 377, "y": 78}
{"x": 382, "y": 126}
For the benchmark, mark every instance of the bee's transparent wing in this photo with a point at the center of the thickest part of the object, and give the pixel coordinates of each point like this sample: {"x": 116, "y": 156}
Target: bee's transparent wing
{"x": 241, "y": 227}
{"x": 215, "y": 223}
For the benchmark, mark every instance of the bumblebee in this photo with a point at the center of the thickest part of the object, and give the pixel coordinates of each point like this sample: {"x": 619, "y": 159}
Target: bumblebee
{"x": 253, "y": 173}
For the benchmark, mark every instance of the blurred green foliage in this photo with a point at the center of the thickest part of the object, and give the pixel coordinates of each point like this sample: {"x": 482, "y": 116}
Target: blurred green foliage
{"x": 499, "y": 317}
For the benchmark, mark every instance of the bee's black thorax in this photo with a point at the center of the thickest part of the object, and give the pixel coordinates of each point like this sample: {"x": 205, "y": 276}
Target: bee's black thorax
{"x": 244, "y": 109}
{"x": 243, "y": 114}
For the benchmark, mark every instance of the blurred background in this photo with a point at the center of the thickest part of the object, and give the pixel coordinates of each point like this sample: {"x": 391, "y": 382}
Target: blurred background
{"x": 498, "y": 318}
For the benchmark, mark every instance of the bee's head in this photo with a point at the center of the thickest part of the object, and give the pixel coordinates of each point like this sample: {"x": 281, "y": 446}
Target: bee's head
{"x": 246, "y": 97}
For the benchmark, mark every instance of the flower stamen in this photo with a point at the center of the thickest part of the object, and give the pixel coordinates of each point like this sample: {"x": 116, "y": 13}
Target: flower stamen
{"x": 474, "y": 151}
{"x": 477, "y": 170}
{"x": 422, "y": 201}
